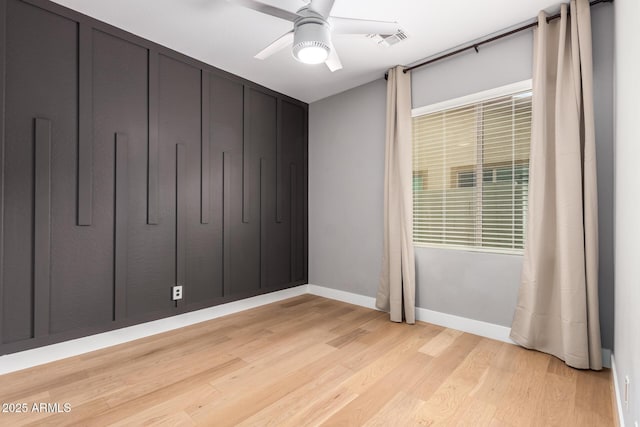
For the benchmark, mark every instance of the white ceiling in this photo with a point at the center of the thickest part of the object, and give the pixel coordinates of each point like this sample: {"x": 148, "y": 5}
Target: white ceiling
{"x": 228, "y": 36}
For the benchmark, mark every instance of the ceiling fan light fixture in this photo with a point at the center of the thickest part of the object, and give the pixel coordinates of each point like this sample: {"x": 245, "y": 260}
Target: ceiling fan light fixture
{"x": 312, "y": 53}
{"x": 311, "y": 43}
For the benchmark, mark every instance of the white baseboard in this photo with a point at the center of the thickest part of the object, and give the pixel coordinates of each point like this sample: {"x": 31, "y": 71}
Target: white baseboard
{"x": 617, "y": 391}
{"x": 477, "y": 327}
{"x": 464, "y": 324}
{"x": 50, "y": 353}
{"x": 37, "y": 356}
{"x": 338, "y": 295}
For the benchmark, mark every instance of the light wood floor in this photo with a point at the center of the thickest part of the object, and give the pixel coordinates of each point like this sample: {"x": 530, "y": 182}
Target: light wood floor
{"x": 312, "y": 361}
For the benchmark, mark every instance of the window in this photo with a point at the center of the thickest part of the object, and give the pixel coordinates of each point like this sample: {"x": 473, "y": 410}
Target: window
{"x": 475, "y": 153}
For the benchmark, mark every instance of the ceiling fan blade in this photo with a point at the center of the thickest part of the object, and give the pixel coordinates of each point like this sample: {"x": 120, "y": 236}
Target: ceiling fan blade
{"x": 266, "y": 9}
{"x": 280, "y": 43}
{"x": 362, "y": 26}
{"x": 323, "y": 7}
{"x": 333, "y": 61}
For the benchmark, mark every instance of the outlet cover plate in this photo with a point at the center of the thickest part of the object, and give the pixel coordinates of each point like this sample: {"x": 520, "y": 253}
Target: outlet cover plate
{"x": 176, "y": 293}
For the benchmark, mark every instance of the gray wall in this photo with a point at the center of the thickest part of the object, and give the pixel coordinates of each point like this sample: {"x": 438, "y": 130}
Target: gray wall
{"x": 346, "y": 168}
{"x": 477, "y": 285}
{"x": 603, "y": 46}
{"x": 506, "y": 61}
{"x": 346, "y": 171}
{"x": 492, "y": 277}
{"x": 627, "y": 204}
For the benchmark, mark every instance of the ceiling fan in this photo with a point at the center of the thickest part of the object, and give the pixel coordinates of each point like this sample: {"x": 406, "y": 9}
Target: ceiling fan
{"x": 313, "y": 27}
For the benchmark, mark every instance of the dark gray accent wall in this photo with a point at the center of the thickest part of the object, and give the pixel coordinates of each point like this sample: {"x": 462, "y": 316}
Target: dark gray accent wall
{"x": 346, "y": 174}
{"x": 128, "y": 168}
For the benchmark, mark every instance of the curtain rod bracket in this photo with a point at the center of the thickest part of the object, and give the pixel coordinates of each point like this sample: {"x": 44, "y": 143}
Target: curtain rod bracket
{"x": 475, "y": 46}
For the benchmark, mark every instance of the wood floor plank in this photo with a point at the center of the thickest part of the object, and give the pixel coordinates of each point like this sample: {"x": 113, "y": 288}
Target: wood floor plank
{"x": 311, "y": 361}
{"x": 363, "y": 378}
{"x": 19, "y": 418}
{"x": 124, "y": 384}
{"x": 440, "y": 368}
{"x": 519, "y": 402}
{"x": 474, "y": 413}
{"x": 558, "y": 393}
{"x": 440, "y": 343}
{"x": 250, "y": 391}
{"x": 398, "y": 411}
{"x": 493, "y": 386}
{"x": 389, "y": 336}
{"x": 452, "y": 396}
{"x": 288, "y": 406}
{"x": 165, "y": 413}
{"x": 179, "y": 378}
{"x": 84, "y": 411}
{"x": 365, "y": 406}
{"x": 345, "y": 339}
{"x": 322, "y": 407}
{"x": 592, "y": 394}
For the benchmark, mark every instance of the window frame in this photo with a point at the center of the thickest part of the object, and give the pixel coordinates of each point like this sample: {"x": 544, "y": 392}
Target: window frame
{"x": 474, "y": 98}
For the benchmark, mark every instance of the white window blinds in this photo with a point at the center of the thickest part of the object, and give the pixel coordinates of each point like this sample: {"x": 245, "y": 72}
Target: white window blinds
{"x": 471, "y": 174}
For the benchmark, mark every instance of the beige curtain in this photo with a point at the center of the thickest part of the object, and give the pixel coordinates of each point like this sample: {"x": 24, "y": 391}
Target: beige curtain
{"x": 396, "y": 292}
{"x": 557, "y": 310}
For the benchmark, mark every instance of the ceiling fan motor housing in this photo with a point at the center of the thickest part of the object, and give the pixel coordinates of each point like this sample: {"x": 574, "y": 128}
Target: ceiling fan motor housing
{"x": 311, "y": 32}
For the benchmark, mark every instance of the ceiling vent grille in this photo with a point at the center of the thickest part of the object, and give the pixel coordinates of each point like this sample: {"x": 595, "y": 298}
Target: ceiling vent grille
{"x": 389, "y": 40}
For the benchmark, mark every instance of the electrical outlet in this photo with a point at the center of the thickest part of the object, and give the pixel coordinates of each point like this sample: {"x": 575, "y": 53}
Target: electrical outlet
{"x": 176, "y": 292}
{"x": 627, "y": 382}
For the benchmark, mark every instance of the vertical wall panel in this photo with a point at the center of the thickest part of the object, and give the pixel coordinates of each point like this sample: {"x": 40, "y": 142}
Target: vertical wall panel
{"x": 152, "y": 247}
{"x": 121, "y": 225}
{"x": 82, "y": 273}
{"x": 279, "y": 167}
{"x": 85, "y": 124}
{"x": 3, "y": 27}
{"x": 181, "y": 220}
{"x": 42, "y": 227}
{"x": 260, "y": 138}
{"x": 154, "y": 262}
{"x": 120, "y": 111}
{"x": 246, "y": 153}
{"x": 294, "y": 159}
{"x": 227, "y": 136}
{"x": 205, "y": 148}
{"x": 263, "y": 203}
{"x": 199, "y": 269}
{"x": 204, "y": 263}
{"x": 274, "y": 236}
{"x": 231, "y": 133}
{"x": 227, "y": 237}
{"x": 152, "y": 160}
{"x": 41, "y": 75}
{"x": 213, "y": 241}
{"x": 294, "y": 223}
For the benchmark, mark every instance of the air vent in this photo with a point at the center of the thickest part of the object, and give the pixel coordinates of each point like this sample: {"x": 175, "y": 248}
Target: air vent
{"x": 393, "y": 39}
{"x": 387, "y": 40}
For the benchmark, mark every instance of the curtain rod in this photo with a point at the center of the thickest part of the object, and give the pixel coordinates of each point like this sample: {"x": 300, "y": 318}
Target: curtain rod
{"x": 492, "y": 39}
